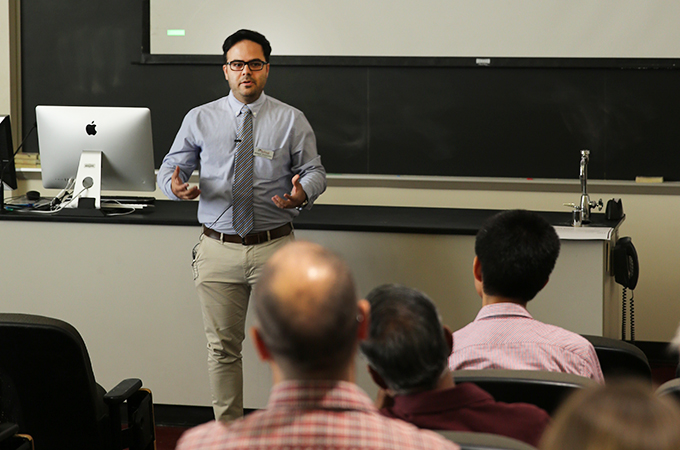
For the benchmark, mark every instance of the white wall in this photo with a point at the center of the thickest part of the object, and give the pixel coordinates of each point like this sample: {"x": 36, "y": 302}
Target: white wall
{"x": 651, "y": 221}
{"x": 4, "y": 58}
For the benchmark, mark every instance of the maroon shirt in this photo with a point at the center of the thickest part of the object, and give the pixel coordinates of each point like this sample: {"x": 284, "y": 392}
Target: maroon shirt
{"x": 467, "y": 407}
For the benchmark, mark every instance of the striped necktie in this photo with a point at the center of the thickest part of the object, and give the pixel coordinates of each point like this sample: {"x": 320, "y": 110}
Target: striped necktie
{"x": 242, "y": 190}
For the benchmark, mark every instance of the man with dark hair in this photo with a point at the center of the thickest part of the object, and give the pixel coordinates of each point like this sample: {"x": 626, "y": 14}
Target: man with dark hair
{"x": 259, "y": 168}
{"x": 247, "y": 35}
{"x": 515, "y": 253}
{"x": 407, "y": 350}
{"x": 309, "y": 324}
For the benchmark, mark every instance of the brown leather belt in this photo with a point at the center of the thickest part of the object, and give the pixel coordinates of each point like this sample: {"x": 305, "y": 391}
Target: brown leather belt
{"x": 252, "y": 238}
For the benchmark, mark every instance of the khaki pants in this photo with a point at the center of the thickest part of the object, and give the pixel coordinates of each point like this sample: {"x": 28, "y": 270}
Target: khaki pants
{"x": 224, "y": 274}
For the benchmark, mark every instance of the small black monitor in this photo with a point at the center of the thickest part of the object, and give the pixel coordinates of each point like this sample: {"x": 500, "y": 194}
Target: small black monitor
{"x": 8, "y": 172}
{"x": 7, "y": 168}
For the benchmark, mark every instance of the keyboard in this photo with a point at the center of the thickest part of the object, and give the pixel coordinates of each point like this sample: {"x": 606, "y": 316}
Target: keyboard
{"x": 113, "y": 205}
{"x": 128, "y": 199}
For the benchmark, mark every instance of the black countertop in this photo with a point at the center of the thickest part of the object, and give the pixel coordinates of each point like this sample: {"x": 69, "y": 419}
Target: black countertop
{"x": 417, "y": 220}
{"x": 384, "y": 219}
{"x": 164, "y": 212}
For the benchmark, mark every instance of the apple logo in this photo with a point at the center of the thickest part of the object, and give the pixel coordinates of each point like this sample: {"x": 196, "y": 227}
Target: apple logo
{"x": 90, "y": 129}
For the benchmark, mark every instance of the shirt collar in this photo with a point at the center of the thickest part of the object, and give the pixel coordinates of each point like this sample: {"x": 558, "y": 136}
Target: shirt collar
{"x": 324, "y": 394}
{"x": 502, "y": 309}
{"x": 236, "y": 105}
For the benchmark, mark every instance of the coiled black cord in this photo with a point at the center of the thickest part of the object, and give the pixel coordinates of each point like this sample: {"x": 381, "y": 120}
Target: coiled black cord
{"x": 623, "y": 314}
{"x": 632, "y": 318}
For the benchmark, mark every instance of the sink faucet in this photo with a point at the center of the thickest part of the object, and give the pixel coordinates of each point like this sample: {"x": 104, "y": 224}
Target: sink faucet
{"x": 586, "y": 204}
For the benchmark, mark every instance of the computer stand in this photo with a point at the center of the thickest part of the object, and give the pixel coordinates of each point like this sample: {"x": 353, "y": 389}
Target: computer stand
{"x": 87, "y": 187}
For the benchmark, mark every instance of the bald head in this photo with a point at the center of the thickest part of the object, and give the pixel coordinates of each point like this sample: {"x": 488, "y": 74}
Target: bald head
{"x": 306, "y": 306}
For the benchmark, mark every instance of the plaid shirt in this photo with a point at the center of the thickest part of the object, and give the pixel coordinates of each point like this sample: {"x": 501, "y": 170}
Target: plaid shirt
{"x": 505, "y": 336}
{"x": 313, "y": 415}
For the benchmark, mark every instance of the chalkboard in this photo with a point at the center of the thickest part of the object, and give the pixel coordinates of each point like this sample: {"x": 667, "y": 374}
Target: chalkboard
{"x": 423, "y": 118}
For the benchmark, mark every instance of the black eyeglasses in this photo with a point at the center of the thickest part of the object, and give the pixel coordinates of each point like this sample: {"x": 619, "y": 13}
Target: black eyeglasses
{"x": 254, "y": 65}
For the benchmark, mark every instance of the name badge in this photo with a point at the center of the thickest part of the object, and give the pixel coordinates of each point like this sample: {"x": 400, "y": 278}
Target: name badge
{"x": 262, "y": 153}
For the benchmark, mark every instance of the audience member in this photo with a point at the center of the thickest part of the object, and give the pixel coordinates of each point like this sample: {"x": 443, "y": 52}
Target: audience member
{"x": 516, "y": 252}
{"x": 674, "y": 347}
{"x": 407, "y": 350}
{"x": 310, "y": 323}
{"x": 624, "y": 415}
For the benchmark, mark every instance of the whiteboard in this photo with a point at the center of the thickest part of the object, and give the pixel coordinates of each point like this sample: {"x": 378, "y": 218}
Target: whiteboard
{"x": 431, "y": 28}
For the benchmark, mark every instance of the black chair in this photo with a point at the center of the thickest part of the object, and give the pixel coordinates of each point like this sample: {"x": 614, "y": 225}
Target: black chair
{"x": 671, "y": 387}
{"x": 48, "y": 389}
{"x": 484, "y": 441}
{"x": 10, "y": 439}
{"x": 620, "y": 359}
{"x": 546, "y": 390}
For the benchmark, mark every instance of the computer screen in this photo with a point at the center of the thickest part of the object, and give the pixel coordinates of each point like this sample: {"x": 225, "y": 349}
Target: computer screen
{"x": 8, "y": 172}
{"x": 73, "y": 139}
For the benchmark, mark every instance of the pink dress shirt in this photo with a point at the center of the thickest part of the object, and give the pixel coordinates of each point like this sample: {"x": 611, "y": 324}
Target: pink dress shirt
{"x": 505, "y": 336}
{"x": 315, "y": 415}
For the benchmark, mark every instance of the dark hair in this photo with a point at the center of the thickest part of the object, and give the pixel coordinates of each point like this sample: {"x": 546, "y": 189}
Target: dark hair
{"x": 247, "y": 35}
{"x": 316, "y": 331}
{"x": 517, "y": 251}
{"x": 406, "y": 344}
{"x": 621, "y": 415}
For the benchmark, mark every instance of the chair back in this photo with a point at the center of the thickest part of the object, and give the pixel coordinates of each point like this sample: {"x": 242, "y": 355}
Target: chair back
{"x": 469, "y": 440}
{"x": 11, "y": 440}
{"x": 546, "y": 390}
{"x": 620, "y": 358}
{"x": 671, "y": 387}
{"x": 47, "y": 386}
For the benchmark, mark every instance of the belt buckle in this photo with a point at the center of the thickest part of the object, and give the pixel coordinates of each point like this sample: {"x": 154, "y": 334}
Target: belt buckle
{"x": 243, "y": 239}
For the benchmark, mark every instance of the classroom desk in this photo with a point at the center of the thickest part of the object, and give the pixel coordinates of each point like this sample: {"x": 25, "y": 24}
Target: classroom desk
{"x": 126, "y": 284}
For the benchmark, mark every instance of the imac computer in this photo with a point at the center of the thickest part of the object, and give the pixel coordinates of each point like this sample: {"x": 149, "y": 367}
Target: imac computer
{"x": 91, "y": 148}
{"x": 8, "y": 174}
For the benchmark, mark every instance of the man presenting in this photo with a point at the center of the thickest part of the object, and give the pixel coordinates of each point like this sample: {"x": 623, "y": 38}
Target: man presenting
{"x": 258, "y": 167}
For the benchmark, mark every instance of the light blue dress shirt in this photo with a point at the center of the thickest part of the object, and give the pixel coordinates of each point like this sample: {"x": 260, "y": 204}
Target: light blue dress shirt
{"x": 284, "y": 143}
